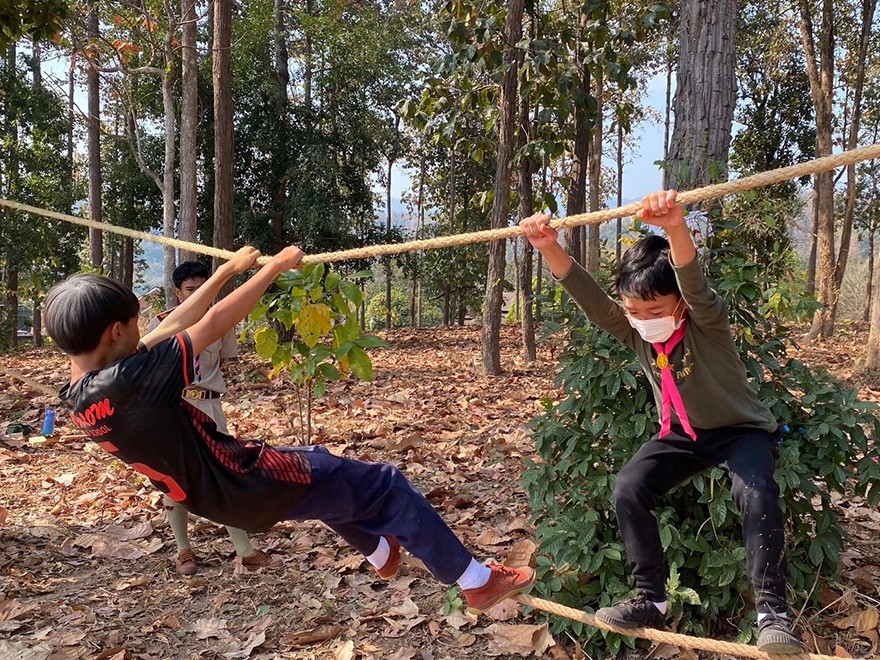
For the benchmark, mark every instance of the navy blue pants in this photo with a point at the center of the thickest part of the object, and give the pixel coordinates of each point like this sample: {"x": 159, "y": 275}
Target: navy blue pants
{"x": 748, "y": 456}
{"x": 363, "y": 501}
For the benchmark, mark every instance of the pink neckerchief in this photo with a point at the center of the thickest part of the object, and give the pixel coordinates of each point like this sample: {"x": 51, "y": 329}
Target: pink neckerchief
{"x": 668, "y": 389}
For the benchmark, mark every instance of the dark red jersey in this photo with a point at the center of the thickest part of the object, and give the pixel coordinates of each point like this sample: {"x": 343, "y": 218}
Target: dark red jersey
{"x": 133, "y": 409}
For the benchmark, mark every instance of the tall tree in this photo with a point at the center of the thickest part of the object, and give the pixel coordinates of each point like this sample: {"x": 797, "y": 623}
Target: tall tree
{"x": 189, "y": 120}
{"x": 857, "y": 65}
{"x": 224, "y": 190}
{"x": 819, "y": 53}
{"x": 705, "y": 94}
{"x": 491, "y": 350}
{"x": 96, "y": 242}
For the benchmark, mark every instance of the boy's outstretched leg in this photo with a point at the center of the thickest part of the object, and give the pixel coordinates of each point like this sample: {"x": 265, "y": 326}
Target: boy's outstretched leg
{"x": 370, "y": 503}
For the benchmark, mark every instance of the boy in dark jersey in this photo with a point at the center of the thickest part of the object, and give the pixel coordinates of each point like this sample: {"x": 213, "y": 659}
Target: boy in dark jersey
{"x": 710, "y": 416}
{"x": 124, "y": 393}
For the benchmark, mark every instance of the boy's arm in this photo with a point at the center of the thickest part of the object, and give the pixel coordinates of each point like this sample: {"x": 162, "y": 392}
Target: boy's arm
{"x": 234, "y": 307}
{"x": 600, "y": 308}
{"x": 660, "y": 209}
{"x": 194, "y": 307}
{"x": 705, "y": 306}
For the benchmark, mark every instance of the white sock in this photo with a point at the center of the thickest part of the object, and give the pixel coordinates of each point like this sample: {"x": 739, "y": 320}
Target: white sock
{"x": 761, "y": 615}
{"x": 380, "y": 555}
{"x": 661, "y": 606}
{"x": 475, "y": 576}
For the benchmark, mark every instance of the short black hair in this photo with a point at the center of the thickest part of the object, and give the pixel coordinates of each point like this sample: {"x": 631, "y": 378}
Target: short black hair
{"x": 79, "y": 309}
{"x": 189, "y": 270}
{"x": 645, "y": 271}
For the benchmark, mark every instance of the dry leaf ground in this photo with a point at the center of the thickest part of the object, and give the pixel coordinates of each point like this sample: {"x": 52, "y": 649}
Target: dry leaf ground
{"x": 86, "y": 566}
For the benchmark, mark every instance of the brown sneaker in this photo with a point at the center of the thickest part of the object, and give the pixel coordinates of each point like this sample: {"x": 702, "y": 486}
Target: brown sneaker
{"x": 503, "y": 583}
{"x": 262, "y": 560}
{"x": 392, "y": 567}
{"x": 186, "y": 562}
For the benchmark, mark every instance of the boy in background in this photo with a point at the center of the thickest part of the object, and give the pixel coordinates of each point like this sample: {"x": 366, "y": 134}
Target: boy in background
{"x": 204, "y": 394}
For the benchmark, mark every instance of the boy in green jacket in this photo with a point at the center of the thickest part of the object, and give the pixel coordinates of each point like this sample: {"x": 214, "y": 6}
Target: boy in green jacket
{"x": 710, "y": 416}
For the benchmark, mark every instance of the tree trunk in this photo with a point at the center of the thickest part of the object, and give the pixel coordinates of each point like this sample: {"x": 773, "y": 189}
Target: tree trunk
{"x": 96, "y": 239}
{"x": 814, "y": 239}
{"x": 415, "y": 306}
{"x": 527, "y": 205}
{"x": 168, "y": 209}
{"x": 872, "y": 354}
{"x": 128, "y": 262}
{"x": 224, "y": 193}
{"x": 491, "y": 328}
{"x": 447, "y": 289}
{"x": 189, "y": 120}
{"x": 619, "y": 228}
{"x": 280, "y": 153}
{"x": 869, "y": 290}
{"x": 705, "y": 95}
{"x": 36, "y": 64}
{"x": 309, "y": 66}
{"x": 594, "y": 249}
{"x": 820, "y": 71}
{"x": 868, "y": 9}
{"x": 38, "y": 324}
{"x": 667, "y": 115}
{"x": 577, "y": 190}
{"x": 12, "y": 300}
{"x": 388, "y": 240}
{"x": 70, "y": 129}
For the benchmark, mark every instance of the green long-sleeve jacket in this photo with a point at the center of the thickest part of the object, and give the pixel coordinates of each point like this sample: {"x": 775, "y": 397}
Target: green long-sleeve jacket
{"x": 708, "y": 372}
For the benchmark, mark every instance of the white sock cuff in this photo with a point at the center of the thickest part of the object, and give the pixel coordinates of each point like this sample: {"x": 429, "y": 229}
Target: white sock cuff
{"x": 475, "y": 576}
{"x": 381, "y": 554}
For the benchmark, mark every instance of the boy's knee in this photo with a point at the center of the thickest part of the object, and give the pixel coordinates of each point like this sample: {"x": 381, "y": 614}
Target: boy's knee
{"x": 754, "y": 490}
{"x": 627, "y": 486}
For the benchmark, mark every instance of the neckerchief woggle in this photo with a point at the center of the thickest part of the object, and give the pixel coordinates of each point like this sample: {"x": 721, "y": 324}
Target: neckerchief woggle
{"x": 670, "y": 396}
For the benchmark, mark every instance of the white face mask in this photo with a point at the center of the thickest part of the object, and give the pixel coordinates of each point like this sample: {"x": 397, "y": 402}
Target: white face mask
{"x": 657, "y": 331}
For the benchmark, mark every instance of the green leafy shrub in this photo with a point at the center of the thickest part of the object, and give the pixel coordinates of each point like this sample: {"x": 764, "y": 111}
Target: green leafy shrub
{"x": 326, "y": 343}
{"x": 607, "y": 412}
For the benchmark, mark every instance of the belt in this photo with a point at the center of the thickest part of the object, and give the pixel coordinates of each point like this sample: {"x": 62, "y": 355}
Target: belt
{"x": 198, "y": 393}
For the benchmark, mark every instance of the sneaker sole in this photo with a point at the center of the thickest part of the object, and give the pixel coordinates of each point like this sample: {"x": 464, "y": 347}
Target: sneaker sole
{"x": 507, "y": 594}
{"x": 782, "y": 648}
{"x": 610, "y": 619}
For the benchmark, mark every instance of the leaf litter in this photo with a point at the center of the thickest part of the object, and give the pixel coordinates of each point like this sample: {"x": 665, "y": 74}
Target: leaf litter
{"x": 86, "y": 558}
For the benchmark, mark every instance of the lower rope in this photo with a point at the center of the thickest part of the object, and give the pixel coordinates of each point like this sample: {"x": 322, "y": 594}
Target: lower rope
{"x": 664, "y": 637}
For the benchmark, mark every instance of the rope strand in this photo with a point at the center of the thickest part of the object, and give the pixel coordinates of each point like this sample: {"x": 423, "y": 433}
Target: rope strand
{"x": 597, "y": 217}
{"x": 663, "y": 636}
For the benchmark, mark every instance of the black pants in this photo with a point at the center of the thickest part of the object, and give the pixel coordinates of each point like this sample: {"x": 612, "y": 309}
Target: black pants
{"x": 747, "y": 455}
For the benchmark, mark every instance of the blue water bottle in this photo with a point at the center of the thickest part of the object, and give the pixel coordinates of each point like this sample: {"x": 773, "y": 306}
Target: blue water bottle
{"x": 49, "y": 422}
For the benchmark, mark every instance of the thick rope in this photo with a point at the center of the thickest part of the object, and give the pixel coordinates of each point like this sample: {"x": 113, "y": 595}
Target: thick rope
{"x": 597, "y": 217}
{"x": 664, "y": 637}
{"x": 39, "y": 387}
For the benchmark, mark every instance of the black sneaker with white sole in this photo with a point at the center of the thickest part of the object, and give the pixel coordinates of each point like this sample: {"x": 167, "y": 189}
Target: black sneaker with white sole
{"x": 637, "y": 612}
{"x": 775, "y": 635}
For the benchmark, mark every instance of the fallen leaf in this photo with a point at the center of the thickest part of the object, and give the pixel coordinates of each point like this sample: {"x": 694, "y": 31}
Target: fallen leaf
{"x": 205, "y": 628}
{"x": 406, "y": 609}
{"x": 841, "y": 652}
{"x": 491, "y": 536}
{"x": 245, "y": 651}
{"x": 130, "y": 583}
{"x": 317, "y": 634}
{"x": 861, "y": 621}
{"x": 504, "y": 611}
{"x": 21, "y": 651}
{"x": 345, "y": 651}
{"x": 521, "y": 553}
{"x": 520, "y": 639}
